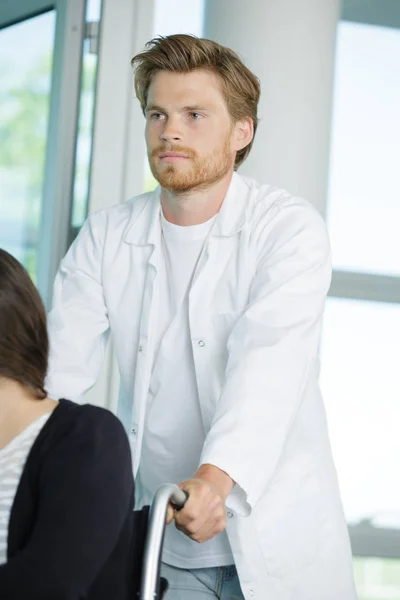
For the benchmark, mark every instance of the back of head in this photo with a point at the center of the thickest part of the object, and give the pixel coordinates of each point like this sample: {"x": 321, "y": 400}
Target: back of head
{"x": 23, "y": 331}
{"x": 185, "y": 53}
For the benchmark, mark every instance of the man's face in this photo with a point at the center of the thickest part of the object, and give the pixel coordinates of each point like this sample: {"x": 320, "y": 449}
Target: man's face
{"x": 189, "y": 132}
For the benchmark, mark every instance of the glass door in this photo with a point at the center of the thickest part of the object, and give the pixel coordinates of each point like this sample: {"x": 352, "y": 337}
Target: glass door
{"x": 26, "y": 51}
{"x": 41, "y": 74}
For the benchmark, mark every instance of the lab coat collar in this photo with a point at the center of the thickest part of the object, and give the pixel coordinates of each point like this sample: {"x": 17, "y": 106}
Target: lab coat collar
{"x": 233, "y": 212}
{"x": 145, "y": 223}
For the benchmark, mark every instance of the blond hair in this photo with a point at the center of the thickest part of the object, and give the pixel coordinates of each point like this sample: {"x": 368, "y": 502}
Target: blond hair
{"x": 185, "y": 53}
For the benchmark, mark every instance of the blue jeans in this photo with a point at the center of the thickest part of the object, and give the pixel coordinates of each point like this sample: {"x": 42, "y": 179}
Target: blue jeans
{"x": 202, "y": 584}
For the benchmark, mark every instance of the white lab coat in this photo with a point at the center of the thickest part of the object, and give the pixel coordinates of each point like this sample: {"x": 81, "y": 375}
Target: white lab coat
{"x": 255, "y": 311}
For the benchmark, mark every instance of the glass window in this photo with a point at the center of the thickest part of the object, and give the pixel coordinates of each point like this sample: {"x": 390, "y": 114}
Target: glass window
{"x": 364, "y": 191}
{"x": 377, "y": 579}
{"x": 359, "y": 377}
{"x": 93, "y": 10}
{"x": 25, "y": 98}
{"x": 361, "y": 339}
{"x": 361, "y": 388}
{"x": 86, "y": 116}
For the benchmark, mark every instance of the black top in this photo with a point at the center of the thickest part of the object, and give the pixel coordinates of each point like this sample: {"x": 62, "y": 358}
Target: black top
{"x": 70, "y": 529}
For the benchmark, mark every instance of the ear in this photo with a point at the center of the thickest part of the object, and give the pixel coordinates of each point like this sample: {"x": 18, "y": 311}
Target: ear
{"x": 243, "y": 134}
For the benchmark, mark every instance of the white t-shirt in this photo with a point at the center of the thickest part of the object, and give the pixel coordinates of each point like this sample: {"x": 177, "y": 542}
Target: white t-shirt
{"x": 12, "y": 461}
{"x": 173, "y": 436}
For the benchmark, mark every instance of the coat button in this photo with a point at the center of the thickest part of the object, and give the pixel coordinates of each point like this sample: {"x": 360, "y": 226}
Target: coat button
{"x": 140, "y": 348}
{"x": 201, "y": 343}
{"x": 134, "y": 431}
{"x": 252, "y": 593}
{"x": 230, "y": 515}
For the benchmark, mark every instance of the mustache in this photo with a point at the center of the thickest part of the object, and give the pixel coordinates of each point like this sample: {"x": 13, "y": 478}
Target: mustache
{"x": 179, "y": 149}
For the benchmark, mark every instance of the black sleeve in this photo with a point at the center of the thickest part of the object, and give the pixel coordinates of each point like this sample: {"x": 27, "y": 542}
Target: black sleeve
{"x": 85, "y": 494}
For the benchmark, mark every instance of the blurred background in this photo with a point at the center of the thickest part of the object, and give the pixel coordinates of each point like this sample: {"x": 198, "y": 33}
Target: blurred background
{"x": 71, "y": 141}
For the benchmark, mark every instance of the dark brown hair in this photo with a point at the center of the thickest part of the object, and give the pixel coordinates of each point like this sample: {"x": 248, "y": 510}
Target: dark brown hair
{"x": 184, "y": 53}
{"x": 24, "y": 344}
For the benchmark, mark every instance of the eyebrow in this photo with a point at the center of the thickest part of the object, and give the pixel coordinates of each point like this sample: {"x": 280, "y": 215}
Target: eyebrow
{"x": 194, "y": 108}
{"x": 154, "y": 107}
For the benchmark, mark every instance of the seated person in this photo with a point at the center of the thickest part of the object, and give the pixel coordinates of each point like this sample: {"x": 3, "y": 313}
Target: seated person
{"x": 66, "y": 484}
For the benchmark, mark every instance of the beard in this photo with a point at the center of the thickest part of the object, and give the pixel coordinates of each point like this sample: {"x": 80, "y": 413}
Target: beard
{"x": 200, "y": 173}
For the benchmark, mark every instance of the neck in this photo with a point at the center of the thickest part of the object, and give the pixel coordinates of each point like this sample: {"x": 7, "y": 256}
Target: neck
{"x": 194, "y": 206}
{"x": 13, "y": 395}
{"x": 18, "y": 408}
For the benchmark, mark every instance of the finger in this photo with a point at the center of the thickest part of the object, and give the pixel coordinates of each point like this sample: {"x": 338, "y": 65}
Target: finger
{"x": 193, "y": 515}
{"x": 170, "y": 515}
{"x": 190, "y": 529}
{"x": 211, "y": 528}
{"x": 204, "y": 533}
{"x": 202, "y": 530}
{"x": 199, "y": 507}
{"x": 190, "y": 522}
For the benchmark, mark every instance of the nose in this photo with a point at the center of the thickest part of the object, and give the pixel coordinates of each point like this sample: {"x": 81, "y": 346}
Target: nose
{"x": 171, "y": 131}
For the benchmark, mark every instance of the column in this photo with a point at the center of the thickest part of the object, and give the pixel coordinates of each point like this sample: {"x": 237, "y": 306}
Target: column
{"x": 290, "y": 46}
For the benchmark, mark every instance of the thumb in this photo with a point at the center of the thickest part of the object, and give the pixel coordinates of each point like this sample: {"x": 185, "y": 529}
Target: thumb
{"x": 170, "y": 515}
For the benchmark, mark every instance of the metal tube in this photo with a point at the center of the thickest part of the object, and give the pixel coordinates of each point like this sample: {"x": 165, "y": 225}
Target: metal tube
{"x": 155, "y": 536}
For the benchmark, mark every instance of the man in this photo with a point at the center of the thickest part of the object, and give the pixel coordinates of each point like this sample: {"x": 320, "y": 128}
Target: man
{"x": 213, "y": 287}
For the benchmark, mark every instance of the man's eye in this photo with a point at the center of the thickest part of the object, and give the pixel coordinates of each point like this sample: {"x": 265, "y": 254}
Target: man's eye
{"x": 195, "y": 116}
{"x": 156, "y": 116}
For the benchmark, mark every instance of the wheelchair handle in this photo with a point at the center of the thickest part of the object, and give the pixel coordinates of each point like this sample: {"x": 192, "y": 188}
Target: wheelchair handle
{"x": 167, "y": 493}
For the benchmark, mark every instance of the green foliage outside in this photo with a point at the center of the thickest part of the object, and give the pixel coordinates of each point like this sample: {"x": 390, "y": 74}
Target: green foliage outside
{"x": 377, "y": 579}
{"x": 23, "y": 131}
{"x": 23, "y": 136}
{"x": 150, "y": 183}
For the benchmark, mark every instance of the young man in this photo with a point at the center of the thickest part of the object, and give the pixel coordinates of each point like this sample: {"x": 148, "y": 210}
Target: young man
{"x": 213, "y": 287}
